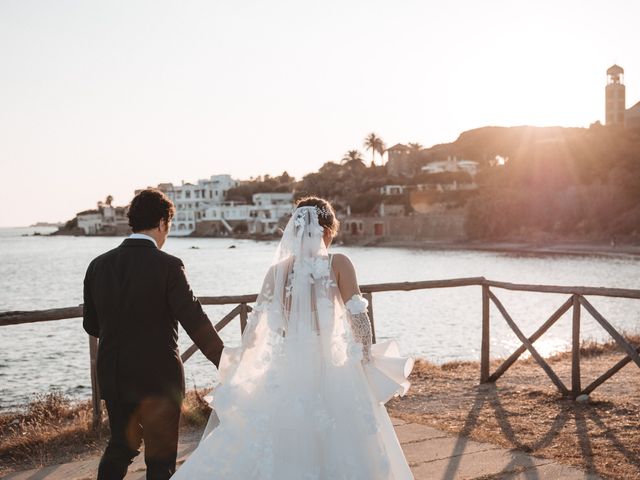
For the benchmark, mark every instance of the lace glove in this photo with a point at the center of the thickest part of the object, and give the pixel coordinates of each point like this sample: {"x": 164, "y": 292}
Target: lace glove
{"x": 360, "y": 324}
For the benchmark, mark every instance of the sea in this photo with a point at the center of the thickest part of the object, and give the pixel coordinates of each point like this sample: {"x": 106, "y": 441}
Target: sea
{"x": 441, "y": 325}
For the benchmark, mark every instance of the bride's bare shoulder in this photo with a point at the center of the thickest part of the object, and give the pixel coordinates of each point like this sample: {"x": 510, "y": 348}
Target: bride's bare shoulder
{"x": 340, "y": 259}
{"x": 341, "y": 263}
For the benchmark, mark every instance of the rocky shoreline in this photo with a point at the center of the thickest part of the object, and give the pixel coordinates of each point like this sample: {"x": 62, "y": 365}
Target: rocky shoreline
{"x": 514, "y": 247}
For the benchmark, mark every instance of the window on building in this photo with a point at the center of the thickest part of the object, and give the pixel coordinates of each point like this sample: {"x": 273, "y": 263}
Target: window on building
{"x": 187, "y": 194}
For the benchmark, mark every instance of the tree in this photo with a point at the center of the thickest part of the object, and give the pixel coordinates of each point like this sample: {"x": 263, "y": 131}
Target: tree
{"x": 286, "y": 178}
{"x": 109, "y": 200}
{"x": 350, "y": 156}
{"x": 415, "y": 147}
{"x": 375, "y": 144}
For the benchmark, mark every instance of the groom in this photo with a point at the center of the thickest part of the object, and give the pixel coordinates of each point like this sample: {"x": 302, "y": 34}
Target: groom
{"x": 134, "y": 297}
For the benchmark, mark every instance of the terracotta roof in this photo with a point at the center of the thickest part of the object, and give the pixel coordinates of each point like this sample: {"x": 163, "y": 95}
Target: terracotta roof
{"x": 615, "y": 70}
{"x": 398, "y": 146}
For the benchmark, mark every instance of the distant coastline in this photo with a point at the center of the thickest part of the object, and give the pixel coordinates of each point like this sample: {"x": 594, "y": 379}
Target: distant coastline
{"x": 45, "y": 224}
{"x": 521, "y": 248}
{"x": 515, "y": 246}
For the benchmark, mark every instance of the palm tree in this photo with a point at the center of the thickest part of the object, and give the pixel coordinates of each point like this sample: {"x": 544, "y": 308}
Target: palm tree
{"x": 415, "y": 147}
{"x": 350, "y": 156}
{"x": 352, "y": 162}
{"x": 109, "y": 200}
{"x": 375, "y": 144}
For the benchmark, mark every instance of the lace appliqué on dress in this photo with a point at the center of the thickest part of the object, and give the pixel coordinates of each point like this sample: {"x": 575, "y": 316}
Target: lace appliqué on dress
{"x": 360, "y": 324}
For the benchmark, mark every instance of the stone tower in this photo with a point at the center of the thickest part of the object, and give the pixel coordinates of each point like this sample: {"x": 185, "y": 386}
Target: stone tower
{"x": 615, "y": 96}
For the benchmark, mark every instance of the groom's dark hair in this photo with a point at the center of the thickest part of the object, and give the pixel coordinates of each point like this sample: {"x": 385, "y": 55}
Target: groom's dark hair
{"x": 147, "y": 208}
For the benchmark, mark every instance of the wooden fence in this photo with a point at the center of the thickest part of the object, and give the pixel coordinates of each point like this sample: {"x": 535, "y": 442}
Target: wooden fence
{"x": 576, "y": 301}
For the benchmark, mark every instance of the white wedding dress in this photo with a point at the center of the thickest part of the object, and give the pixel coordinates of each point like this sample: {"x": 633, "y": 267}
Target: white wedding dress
{"x": 303, "y": 396}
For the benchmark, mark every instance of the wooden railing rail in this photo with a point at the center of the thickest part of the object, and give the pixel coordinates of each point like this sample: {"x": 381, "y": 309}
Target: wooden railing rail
{"x": 592, "y": 291}
{"x": 576, "y": 302}
{"x": 19, "y": 317}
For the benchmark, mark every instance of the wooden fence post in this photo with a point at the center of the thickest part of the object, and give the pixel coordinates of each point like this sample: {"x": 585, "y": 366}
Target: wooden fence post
{"x": 95, "y": 388}
{"x": 485, "y": 346}
{"x": 576, "y": 386}
{"x": 243, "y": 317}
{"x": 369, "y": 297}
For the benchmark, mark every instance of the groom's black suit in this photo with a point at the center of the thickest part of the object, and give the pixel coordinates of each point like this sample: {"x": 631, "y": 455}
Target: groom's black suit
{"x": 134, "y": 297}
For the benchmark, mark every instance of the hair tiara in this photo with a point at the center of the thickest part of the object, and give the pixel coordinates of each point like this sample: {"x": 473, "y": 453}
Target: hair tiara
{"x": 323, "y": 211}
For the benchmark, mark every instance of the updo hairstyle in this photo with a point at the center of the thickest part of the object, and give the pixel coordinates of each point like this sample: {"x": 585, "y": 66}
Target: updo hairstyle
{"x": 326, "y": 213}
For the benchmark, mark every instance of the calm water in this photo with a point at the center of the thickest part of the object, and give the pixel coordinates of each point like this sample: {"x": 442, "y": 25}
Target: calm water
{"x": 441, "y": 325}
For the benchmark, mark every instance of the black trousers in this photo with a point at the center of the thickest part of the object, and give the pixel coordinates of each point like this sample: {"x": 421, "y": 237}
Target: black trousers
{"x": 154, "y": 420}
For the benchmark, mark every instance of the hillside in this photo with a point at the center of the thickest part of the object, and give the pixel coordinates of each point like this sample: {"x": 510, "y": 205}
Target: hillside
{"x": 558, "y": 181}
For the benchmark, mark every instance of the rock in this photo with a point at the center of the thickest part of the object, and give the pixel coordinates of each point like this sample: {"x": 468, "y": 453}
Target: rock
{"x": 582, "y": 398}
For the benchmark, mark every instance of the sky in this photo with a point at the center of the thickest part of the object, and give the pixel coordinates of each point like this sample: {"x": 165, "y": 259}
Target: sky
{"x": 99, "y": 98}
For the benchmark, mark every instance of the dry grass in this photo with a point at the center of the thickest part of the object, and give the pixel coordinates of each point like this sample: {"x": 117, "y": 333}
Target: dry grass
{"x": 195, "y": 409}
{"x": 524, "y": 410}
{"x": 52, "y": 429}
{"x": 593, "y": 348}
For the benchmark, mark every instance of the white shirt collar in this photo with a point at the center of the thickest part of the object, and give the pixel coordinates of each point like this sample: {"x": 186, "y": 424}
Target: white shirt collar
{"x": 142, "y": 236}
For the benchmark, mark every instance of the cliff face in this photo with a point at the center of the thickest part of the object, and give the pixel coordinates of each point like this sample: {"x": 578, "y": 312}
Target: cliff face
{"x": 563, "y": 181}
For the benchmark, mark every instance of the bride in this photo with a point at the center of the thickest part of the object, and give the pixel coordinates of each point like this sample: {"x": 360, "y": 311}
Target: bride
{"x": 303, "y": 396}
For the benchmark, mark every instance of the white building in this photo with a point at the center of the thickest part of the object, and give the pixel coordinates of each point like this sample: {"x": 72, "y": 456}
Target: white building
{"x": 260, "y": 217}
{"x": 452, "y": 164}
{"x": 104, "y": 220}
{"x": 192, "y": 200}
{"x": 268, "y": 209}
{"x": 392, "y": 190}
{"x": 90, "y": 221}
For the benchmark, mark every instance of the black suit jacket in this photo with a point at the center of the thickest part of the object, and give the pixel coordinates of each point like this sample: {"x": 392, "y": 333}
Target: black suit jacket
{"x": 134, "y": 297}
